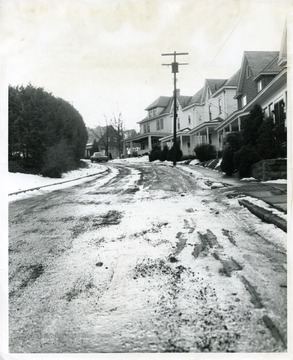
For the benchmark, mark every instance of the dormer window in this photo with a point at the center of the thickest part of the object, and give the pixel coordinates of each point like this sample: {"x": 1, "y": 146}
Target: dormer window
{"x": 259, "y": 86}
{"x": 243, "y": 100}
{"x": 248, "y": 71}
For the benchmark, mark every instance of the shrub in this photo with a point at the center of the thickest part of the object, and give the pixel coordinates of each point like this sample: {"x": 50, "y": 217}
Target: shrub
{"x": 232, "y": 143}
{"x": 267, "y": 145}
{"x": 179, "y": 153}
{"x": 205, "y": 152}
{"x": 164, "y": 153}
{"x": 244, "y": 158}
{"x": 58, "y": 159}
{"x": 155, "y": 153}
{"x": 227, "y": 165}
{"x": 251, "y": 126}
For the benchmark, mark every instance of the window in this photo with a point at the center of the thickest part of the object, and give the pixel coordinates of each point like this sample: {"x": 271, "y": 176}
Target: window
{"x": 248, "y": 71}
{"x": 189, "y": 120}
{"x": 160, "y": 124}
{"x": 210, "y": 112}
{"x": 259, "y": 86}
{"x": 146, "y": 127}
{"x": 178, "y": 123}
{"x": 220, "y": 106}
{"x": 244, "y": 100}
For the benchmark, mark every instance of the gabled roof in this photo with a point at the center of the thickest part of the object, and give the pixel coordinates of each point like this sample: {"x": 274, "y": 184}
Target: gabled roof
{"x": 272, "y": 67}
{"x": 161, "y": 101}
{"x": 215, "y": 84}
{"x": 233, "y": 80}
{"x": 259, "y": 60}
{"x": 183, "y": 100}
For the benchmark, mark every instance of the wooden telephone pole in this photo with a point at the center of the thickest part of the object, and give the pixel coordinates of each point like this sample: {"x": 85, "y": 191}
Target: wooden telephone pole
{"x": 175, "y": 70}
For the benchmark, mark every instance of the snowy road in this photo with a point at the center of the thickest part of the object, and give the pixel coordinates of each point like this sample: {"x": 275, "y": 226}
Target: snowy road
{"x": 147, "y": 258}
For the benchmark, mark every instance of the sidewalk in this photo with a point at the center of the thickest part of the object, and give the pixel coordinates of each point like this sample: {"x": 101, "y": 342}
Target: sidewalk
{"x": 272, "y": 193}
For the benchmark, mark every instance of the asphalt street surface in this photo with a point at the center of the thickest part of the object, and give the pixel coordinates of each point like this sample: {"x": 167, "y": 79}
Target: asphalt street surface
{"x": 146, "y": 259}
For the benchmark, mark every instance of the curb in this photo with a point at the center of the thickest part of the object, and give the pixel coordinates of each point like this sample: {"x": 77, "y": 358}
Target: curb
{"x": 264, "y": 215}
{"x": 59, "y": 183}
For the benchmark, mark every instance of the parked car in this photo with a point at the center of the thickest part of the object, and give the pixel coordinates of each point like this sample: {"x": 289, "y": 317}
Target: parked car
{"x": 99, "y": 157}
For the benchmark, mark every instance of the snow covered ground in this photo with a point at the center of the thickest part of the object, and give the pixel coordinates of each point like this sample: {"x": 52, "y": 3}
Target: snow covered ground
{"x": 136, "y": 255}
{"x": 152, "y": 229}
{"x": 17, "y": 182}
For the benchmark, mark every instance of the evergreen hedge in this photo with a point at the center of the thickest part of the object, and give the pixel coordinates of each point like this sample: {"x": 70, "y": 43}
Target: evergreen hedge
{"x": 46, "y": 134}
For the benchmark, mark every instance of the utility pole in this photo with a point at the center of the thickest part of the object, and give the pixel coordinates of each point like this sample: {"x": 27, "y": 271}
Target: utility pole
{"x": 175, "y": 70}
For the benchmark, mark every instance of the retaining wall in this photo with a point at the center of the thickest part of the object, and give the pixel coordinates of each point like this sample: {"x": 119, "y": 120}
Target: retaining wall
{"x": 271, "y": 169}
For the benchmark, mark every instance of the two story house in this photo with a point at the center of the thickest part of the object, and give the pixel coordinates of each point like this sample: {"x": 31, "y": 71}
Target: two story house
{"x": 217, "y": 103}
{"x": 263, "y": 81}
{"x": 157, "y": 124}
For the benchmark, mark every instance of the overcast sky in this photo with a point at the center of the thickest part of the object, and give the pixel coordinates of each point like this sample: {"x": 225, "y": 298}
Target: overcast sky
{"x": 104, "y": 56}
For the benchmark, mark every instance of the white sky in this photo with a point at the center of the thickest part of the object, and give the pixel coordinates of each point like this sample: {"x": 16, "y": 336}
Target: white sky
{"x": 104, "y": 56}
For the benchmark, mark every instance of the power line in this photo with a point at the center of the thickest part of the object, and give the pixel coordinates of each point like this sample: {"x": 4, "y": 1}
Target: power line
{"x": 228, "y": 37}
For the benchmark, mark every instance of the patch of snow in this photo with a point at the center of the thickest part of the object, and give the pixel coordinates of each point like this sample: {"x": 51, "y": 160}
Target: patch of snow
{"x": 265, "y": 206}
{"x": 194, "y": 162}
{"x": 217, "y": 185}
{"x": 248, "y": 179}
{"x": 24, "y": 182}
{"x": 131, "y": 160}
{"x": 278, "y": 181}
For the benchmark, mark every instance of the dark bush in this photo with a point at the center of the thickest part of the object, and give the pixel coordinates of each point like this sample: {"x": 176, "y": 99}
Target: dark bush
{"x": 38, "y": 122}
{"x": 188, "y": 157}
{"x": 179, "y": 153}
{"x": 227, "y": 165}
{"x": 164, "y": 153}
{"x": 155, "y": 153}
{"x": 232, "y": 143}
{"x": 244, "y": 158}
{"x": 205, "y": 152}
{"x": 251, "y": 126}
{"x": 267, "y": 144}
{"x": 58, "y": 159}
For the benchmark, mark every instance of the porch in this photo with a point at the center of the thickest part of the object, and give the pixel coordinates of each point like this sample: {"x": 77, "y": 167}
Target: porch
{"x": 141, "y": 144}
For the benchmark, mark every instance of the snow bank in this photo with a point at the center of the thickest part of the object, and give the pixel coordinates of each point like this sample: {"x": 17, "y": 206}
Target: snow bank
{"x": 21, "y": 182}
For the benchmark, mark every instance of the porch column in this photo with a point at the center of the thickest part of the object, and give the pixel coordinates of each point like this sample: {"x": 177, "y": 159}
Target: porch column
{"x": 181, "y": 144}
{"x": 124, "y": 147}
{"x": 230, "y": 128}
{"x": 150, "y": 142}
{"x": 207, "y": 135}
{"x": 131, "y": 148}
{"x": 239, "y": 123}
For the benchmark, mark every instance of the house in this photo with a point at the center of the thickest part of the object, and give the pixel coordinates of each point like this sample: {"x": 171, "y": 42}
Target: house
{"x": 184, "y": 122}
{"x": 216, "y": 104}
{"x": 107, "y": 140}
{"x": 263, "y": 81}
{"x": 156, "y": 125}
{"x": 202, "y": 113}
{"x": 110, "y": 142}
